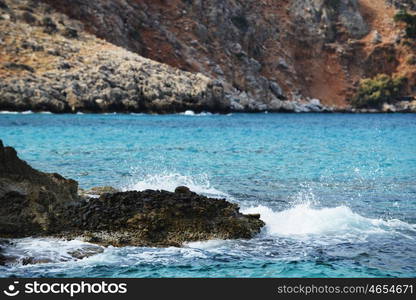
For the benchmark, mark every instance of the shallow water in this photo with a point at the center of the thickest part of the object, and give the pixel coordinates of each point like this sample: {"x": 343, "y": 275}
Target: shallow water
{"x": 337, "y": 192}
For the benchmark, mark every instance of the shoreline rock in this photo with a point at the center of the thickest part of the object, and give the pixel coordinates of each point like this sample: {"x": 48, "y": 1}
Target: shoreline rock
{"x": 28, "y": 197}
{"x": 157, "y": 218}
{"x": 33, "y": 203}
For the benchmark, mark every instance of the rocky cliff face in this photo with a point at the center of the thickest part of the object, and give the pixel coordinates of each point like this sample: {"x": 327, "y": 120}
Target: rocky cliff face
{"x": 48, "y": 62}
{"x": 262, "y": 51}
{"x": 254, "y": 55}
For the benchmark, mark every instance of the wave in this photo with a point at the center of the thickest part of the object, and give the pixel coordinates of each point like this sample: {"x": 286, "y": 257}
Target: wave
{"x": 26, "y": 112}
{"x": 170, "y": 181}
{"x": 304, "y": 220}
{"x": 47, "y": 250}
{"x": 192, "y": 113}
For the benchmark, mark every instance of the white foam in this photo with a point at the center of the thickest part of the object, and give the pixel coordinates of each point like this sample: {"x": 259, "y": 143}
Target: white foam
{"x": 6, "y": 112}
{"x": 192, "y": 113}
{"x": 207, "y": 245}
{"x": 304, "y": 220}
{"x": 26, "y": 112}
{"x": 48, "y": 249}
{"x": 170, "y": 181}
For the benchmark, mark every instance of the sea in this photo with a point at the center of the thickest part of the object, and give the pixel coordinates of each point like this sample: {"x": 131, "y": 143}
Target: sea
{"x": 337, "y": 191}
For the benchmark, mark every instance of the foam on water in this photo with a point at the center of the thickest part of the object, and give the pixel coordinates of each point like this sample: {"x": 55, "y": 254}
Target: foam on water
{"x": 192, "y": 113}
{"x": 304, "y": 220}
{"x": 207, "y": 245}
{"x": 44, "y": 249}
{"x": 26, "y": 112}
{"x": 170, "y": 181}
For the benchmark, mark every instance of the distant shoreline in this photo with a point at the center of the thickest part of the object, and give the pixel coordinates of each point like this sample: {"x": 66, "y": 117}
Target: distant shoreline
{"x": 206, "y": 113}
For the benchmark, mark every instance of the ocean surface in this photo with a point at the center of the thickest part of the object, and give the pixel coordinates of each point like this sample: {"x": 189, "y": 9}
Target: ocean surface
{"x": 337, "y": 191}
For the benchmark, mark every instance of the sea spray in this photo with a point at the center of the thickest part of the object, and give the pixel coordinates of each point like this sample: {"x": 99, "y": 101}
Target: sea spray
{"x": 167, "y": 181}
{"x": 303, "y": 220}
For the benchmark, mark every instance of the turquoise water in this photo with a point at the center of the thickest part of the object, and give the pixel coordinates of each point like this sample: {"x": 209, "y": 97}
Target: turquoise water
{"x": 337, "y": 191}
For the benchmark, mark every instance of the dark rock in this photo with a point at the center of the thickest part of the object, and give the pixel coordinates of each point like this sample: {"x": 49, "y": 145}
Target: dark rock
{"x": 29, "y": 18}
{"x": 70, "y": 33}
{"x": 50, "y": 25}
{"x": 64, "y": 66}
{"x": 277, "y": 90}
{"x": 86, "y": 251}
{"x": 34, "y": 261}
{"x": 22, "y": 67}
{"x": 158, "y": 218}
{"x": 36, "y": 203}
{"x": 3, "y": 4}
{"x": 182, "y": 190}
{"x": 28, "y": 198}
{"x": 32, "y": 45}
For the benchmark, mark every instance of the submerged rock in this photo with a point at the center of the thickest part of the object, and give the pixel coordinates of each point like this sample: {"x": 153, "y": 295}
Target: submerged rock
{"x": 41, "y": 204}
{"x": 86, "y": 252}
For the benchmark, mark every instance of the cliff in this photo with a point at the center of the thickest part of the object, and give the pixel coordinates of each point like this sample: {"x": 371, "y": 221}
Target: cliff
{"x": 252, "y": 55}
{"x": 48, "y": 62}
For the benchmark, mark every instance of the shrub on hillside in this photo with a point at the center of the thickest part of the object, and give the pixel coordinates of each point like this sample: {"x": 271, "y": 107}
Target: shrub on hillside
{"x": 373, "y": 92}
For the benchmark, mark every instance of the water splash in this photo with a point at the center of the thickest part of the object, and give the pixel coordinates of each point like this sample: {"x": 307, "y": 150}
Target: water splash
{"x": 170, "y": 181}
{"x": 305, "y": 220}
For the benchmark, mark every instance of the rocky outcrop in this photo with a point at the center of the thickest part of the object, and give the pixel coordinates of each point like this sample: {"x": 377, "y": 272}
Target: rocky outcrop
{"x": 41, "y": 204}
{"x": 157, "y": 218}
{"x": 49, "y": 63}
{"x": 29, "y": 198}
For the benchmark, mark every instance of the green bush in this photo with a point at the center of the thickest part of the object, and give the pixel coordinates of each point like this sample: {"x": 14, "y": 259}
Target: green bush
{"x": 409, "y": 20}
{"x": 373, "y": 92}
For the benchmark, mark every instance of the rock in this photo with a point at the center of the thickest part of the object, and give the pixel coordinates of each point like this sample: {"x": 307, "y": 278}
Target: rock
{"x": 50, "y": 25}
{"x": 22, "y": 67}
{"x": 70, "y": 33}
{"x": 182, "y": 190}
{"x": 236, "y": 49}
{"x": 158, "y": 218}
{"x": 282, "y": 63}
{"x": 28, "y": 197}
{"x": 41, "y": 204}
{"x": 388, "y": 108}
{"x": 34, "y": 261}
{"x": 277, "y": 90}
{"x": 218, "y": 70}
{"x": 377, "y": 38}
{"x": 29, "y": 18}
{"x": 314, "y": 105}
{"x": 86, "y": 251}
{"x": 3, "y": 4}
{"x": 98, "y": 191}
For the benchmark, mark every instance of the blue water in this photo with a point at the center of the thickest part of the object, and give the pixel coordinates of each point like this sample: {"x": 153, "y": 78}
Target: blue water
{"x": 337, "y": 191}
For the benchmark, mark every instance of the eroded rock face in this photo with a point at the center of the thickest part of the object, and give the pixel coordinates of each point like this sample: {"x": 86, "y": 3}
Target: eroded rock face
{"x": 29, "y": 198}
{"x": 41, "y": 204}
{"x": 310, "y": 48}
{"x": 49, "y": 63}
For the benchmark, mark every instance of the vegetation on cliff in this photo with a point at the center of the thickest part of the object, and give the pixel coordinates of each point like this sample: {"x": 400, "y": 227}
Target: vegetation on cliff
{"x": 374, "y": 92}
